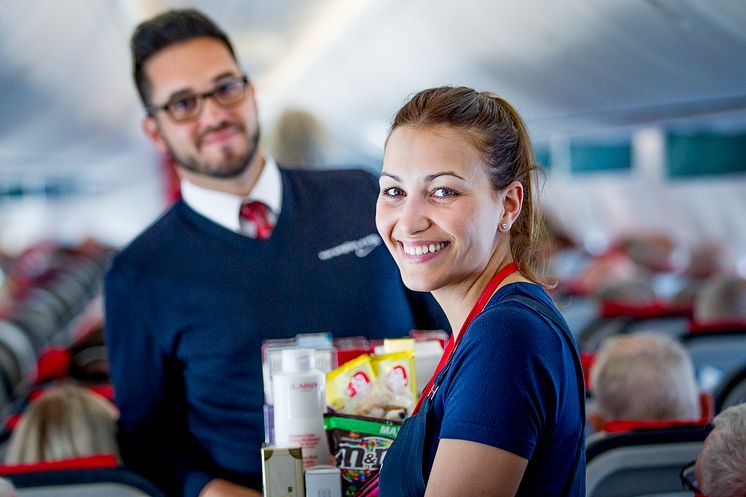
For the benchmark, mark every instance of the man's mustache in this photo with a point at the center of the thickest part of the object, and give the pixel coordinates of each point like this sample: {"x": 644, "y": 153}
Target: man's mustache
{"x": 220, "y": 127}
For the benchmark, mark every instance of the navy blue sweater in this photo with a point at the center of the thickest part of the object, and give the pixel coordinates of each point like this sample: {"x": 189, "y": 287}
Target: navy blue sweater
{"x": 189, "y": 302}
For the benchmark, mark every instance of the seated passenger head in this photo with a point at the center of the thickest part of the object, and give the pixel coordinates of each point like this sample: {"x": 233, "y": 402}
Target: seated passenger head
{"x": 721, "y": 465}
{"x": 66, "y": 422}
{"x": 637, "y": 289}
{"x": 722, "y": 298}
{"x": 655, "y": 251}
{"x": 705, "y": 260}
{"x": 299, "y": 139}
{"x": 643, "y": 377}
{"x": 609, "y": 269}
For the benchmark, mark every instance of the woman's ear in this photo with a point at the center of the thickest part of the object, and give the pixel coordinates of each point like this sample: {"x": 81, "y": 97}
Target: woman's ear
{"x": 512, "y": 203}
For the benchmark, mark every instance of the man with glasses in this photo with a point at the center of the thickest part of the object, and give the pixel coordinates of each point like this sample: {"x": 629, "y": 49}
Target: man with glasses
{"x": 720, "y": 469}
{"x": 251, "y": 252}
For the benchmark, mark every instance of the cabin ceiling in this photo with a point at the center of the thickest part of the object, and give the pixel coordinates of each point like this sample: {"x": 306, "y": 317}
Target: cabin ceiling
{"x": 569, "y": 66}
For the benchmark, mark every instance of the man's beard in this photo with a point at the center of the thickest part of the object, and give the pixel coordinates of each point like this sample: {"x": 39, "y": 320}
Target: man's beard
{"x": 232, "y": 167}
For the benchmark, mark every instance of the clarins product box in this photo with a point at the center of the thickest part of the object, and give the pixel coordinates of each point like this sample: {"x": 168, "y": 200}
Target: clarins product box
{"x": 282, "y": 472}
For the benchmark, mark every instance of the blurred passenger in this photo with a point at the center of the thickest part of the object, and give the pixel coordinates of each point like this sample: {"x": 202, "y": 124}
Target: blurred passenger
{"x": 299, "y": 140}
{"x": 252, "y": 252}
{"x": 628, "y": 289}
{"x": 705, "y": 262}
{"x": 721, "y": 465}
{"x": 721, "y": 299}
{"x": 653, "y": 251}
{"x": 66, "y": 422}
{"x": 459, "y": 212}
{"x": 609, "y": 269}
{"x": 643, "y": 377}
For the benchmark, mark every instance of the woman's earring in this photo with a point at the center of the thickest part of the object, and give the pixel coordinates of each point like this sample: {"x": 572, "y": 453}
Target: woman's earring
{"x": 504, "y": 227}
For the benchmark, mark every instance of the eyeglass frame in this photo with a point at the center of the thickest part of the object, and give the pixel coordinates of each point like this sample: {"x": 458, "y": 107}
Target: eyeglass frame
{"x": 685, "y": 481}
{"x": 201, "y": 97}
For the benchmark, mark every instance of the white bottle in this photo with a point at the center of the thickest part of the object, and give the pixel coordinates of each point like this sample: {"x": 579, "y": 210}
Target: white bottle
{"x": 299, "y": 393}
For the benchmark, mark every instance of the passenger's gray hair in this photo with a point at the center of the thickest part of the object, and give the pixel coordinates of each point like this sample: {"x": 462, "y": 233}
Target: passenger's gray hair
{"x": 722, "y": 298}
{"x": 722, "y": 462}
{"x": 644, "y": 376}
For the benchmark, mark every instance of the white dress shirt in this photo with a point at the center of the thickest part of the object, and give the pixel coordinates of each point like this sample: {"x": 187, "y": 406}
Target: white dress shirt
{"x": 222, "y": 208}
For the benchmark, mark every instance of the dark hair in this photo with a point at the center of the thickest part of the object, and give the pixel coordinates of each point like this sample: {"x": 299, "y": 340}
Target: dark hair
{"x": 164, "y": 30}
{"x": 500, "y": 136}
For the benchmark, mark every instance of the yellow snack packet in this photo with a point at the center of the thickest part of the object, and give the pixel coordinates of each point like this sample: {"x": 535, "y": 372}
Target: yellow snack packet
{"x": 396, "y": 374}
{"x": 349, "y": 383}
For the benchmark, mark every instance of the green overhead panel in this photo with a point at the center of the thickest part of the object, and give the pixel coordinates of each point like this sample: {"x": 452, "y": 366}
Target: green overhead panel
{"x": 590, "y": 157}
{"x": 705, "y": 154}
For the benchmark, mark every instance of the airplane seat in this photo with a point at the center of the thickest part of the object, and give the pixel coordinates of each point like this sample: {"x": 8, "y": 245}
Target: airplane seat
{"x": 17, "y": 356}
{"x": 42, "y": 297}
{"x": 89, "y": 476}
{"x": 79, "y": 363}
{"x": 618, "y": 317}
{"x": 642, "y": 461}
{"x": 716, "y": 349}
{"x": 39, "y": 323}
{"x": 579, "y": 311}
{"x": 590, "y": 337}
{"x": 732, "y": 390}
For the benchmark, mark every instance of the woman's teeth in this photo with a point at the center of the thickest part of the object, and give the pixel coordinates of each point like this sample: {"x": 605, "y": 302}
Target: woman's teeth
{"x": 423, "y": 249}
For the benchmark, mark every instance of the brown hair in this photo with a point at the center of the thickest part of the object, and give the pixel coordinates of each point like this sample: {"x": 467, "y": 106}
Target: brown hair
{"x": 164, "y": 30}
{"x": 500, "y": 136}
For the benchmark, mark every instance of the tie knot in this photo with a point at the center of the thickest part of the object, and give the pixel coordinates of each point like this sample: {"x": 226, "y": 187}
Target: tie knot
{"x": 256, "y": 220}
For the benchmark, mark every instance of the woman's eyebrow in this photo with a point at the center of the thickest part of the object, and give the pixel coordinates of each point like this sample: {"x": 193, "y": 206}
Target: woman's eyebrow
{"x": 444, "y": 173}
{"x": 428, "y": 178}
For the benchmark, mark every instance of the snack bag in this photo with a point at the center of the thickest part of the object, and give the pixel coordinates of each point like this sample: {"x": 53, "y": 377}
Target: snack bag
{"x": 348, "y": 384}
{"x": 395, "y": 376}
{"x": 359, "y": 444}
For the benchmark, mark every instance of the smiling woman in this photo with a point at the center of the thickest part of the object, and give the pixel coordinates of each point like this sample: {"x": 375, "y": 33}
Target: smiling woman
{"x": 433, "y": 181}
{"x": 457, "y": 211}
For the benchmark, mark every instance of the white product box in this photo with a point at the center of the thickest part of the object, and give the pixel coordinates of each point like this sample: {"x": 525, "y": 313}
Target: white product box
{"x": 323, "y": 481}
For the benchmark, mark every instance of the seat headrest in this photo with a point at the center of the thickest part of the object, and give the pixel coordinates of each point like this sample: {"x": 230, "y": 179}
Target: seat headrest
{"x": 645, "y": 310}
{"x": 719, "y": 326}
{"x": 640, "y": 425}
{"x": 98, "y": 461}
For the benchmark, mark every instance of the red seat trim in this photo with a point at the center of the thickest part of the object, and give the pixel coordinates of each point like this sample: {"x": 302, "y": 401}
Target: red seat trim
{"x": 98, "y": 461}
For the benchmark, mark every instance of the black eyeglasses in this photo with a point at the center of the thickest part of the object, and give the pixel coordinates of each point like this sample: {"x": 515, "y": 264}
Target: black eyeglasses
{"x": 229, "y": 92}
{"x": 689, "y": 478}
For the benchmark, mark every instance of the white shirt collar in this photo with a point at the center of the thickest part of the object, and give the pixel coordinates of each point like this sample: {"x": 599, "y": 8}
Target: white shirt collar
{"x": 222, "y": 208}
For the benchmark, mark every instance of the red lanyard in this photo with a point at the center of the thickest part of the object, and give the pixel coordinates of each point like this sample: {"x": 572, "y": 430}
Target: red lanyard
{"x": 478, "y": 307}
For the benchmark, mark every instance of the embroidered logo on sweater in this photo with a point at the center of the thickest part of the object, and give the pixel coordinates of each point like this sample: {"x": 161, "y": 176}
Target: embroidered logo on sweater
{"x": 361, "y": 247}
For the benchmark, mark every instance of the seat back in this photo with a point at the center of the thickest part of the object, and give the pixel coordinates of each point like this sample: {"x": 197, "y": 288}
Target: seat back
{"x": 84, "y": 483}
{"x": 80, "y": 477}
{"x": 641, "y": 462}
{"x": 715, "y": 355}
{"x": 732, "y": 390}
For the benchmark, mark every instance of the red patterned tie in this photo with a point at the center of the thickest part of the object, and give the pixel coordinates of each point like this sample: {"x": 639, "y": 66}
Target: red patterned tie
{"x": 255, "y": 222}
